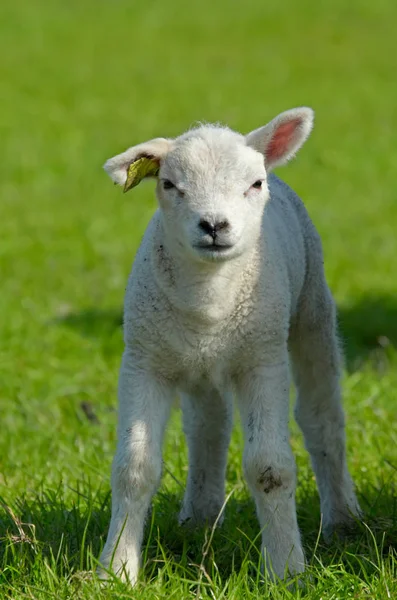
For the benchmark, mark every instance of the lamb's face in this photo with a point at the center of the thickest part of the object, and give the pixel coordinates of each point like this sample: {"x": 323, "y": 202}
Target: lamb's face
{"x": 212, "y": 182}
{"x": 212, "y": 191}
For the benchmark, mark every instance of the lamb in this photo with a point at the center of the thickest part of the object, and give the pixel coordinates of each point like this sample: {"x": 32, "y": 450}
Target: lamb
{"x": 227, "y": 289}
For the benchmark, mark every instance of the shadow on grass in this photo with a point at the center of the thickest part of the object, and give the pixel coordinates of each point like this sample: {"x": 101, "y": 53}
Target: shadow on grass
{"x": 70, "y": 537}
{"x": 46, "y": 525}
{"x": 368, "y": 329}
{"x": 103, "y": 326}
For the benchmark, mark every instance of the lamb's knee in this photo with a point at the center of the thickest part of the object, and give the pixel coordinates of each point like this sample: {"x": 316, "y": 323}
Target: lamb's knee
{"x": 269, "y": 477}
{"x": 135, "y": 474}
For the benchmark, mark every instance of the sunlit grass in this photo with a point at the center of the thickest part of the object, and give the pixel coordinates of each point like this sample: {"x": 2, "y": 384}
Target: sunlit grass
{"x": 81, "y": 81}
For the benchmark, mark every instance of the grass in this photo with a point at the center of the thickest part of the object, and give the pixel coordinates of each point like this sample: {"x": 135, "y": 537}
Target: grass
{"x": 81, "y": 81}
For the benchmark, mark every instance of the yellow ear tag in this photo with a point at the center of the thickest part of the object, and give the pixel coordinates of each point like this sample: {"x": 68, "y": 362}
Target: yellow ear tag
{"x": 143, "y": 167}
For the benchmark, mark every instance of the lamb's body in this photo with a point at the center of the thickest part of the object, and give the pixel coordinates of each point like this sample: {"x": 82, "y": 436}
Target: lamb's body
{"x": 209, "y": 329}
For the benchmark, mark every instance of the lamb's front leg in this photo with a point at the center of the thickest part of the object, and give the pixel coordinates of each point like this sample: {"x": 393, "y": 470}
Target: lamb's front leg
{"x": 269, "y": 466}
{"x": 144, "y": 406}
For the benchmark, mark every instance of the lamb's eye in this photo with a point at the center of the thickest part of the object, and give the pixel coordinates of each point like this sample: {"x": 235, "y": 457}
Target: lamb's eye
{"x": 257, "y": 185}
{"x": 167, "y": 184}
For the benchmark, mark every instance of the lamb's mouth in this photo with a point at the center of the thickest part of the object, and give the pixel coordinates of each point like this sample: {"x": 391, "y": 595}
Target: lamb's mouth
{"x": 215, "y": 252}
{"x": 217, "y": 248}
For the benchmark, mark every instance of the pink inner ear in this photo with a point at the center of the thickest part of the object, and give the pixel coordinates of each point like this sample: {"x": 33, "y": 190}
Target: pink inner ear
{"x": 283, "y": 136}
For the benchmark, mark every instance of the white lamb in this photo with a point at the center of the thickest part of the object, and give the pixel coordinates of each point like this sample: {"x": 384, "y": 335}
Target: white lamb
{"x": 227, "y": 285}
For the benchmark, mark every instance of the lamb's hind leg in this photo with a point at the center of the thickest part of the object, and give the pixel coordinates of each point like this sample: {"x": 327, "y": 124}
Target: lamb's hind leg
{"x": 207, "y": 421}
{"x": 316, "y": 366}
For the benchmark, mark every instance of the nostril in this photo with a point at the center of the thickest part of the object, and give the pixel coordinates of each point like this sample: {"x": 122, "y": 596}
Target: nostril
{"x": 211, "y": 229}
{"x": 221, "y": 225}
{"x": 207, "y": 227}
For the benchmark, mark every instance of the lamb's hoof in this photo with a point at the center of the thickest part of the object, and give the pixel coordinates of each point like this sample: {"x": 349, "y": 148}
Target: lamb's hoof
{"x": 195, "y": 520}
{"x": 106, "y": 577}
{"x": 342, "y": 531}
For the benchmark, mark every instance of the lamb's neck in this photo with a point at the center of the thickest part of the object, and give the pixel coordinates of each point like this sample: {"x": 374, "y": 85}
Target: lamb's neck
{"x": 205, "y": 293}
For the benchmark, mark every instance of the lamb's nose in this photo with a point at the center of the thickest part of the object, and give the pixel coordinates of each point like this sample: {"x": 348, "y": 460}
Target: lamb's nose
{"x": 213, "y": 228}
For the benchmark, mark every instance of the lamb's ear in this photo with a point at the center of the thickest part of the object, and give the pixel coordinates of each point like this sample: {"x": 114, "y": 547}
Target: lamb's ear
{"x": 280, "y": 139}
{"x": 117, "y": 167}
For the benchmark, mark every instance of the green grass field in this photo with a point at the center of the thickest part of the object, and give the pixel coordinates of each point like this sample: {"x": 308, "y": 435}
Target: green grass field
{"x": 81, "y": 81}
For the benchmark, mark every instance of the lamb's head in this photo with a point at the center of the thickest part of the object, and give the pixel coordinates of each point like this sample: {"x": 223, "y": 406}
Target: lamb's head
{"x": 212, "y": 182}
